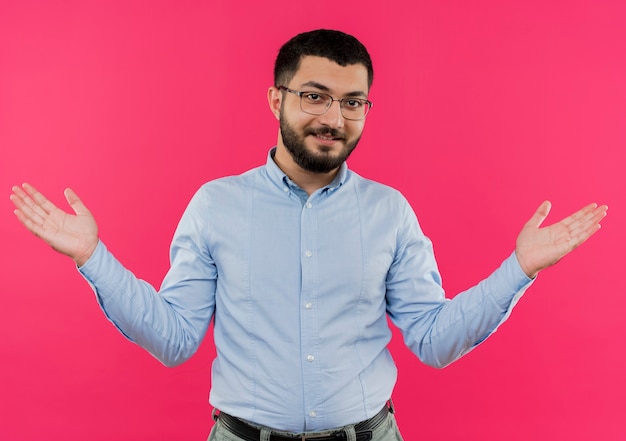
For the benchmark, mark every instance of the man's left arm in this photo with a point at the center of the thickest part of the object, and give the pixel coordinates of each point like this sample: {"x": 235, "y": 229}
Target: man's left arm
{"x": 539, "y": 248}
{"x": 440, "y": 330}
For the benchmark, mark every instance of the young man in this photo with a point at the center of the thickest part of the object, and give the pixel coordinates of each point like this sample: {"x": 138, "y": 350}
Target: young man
{"x": 299, "y": 262}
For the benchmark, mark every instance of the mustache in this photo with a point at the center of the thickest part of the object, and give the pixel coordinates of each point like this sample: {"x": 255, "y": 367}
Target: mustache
{"x": 326, "y": 131}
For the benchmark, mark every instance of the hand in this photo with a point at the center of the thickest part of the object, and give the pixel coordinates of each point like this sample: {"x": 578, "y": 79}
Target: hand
{"x": 73, "y": 235}
{"x": 538, "y": 248}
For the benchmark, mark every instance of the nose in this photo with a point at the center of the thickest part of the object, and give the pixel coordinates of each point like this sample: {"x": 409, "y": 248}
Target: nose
{"x": 333, "y": 116}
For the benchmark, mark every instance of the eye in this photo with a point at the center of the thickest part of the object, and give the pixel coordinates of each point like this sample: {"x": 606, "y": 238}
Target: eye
{"x": 353, "y": 104}
{"x": 314, "y": 98}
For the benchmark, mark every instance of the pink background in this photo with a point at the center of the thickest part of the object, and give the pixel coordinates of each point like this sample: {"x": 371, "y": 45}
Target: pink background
{"x": 482, "y": 110}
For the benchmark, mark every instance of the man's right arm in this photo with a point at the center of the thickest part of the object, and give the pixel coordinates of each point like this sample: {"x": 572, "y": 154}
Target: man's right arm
{"x": 169, "y": 324}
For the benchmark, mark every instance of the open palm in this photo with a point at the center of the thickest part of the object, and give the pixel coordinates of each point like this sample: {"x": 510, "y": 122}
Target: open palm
{"x": 538, "y": 248}
{"x": 75, "y": 235}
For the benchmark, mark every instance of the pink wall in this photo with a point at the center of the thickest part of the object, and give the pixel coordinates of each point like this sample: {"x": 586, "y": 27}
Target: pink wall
{"x": 482, "y": 110}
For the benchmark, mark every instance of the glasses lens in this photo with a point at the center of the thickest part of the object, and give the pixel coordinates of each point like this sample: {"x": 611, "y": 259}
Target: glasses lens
{"x": 315, "y": 103}
{"x": 352, "y": 108}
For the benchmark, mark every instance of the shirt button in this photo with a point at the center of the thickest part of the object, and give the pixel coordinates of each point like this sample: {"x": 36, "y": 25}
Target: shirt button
{"x": 312, "y": 414}
{"x": 310, "y": 358}
{"x": 286, "y": 189}
{"x": 308, "y": 253}
{"x": 308, "y": 305}
{"x": 308, "y": 205}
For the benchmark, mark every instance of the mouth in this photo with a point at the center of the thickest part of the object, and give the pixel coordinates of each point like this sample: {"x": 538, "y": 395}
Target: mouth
{"x": 326, "y": 137}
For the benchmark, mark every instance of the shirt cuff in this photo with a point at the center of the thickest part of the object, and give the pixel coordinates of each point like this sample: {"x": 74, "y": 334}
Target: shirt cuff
{"x": 103, "y": 272}
{"x": 514, "y": 281}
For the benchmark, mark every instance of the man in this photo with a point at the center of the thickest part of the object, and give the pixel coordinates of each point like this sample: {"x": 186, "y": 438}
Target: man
{"x": 299, "y": 262}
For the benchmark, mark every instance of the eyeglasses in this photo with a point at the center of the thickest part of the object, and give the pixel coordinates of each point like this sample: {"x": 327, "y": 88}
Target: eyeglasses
{"x": 316, "y": 103}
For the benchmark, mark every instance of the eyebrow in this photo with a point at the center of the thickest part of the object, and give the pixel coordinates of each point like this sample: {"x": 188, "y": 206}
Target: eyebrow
{"x": 315, "y": 84}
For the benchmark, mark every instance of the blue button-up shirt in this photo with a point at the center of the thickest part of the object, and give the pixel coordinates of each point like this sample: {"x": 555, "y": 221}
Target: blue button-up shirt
{"x": 300, "y": 287}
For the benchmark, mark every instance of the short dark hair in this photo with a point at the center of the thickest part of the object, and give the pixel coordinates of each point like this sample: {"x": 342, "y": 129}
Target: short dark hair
{"x": 337, "y": 46}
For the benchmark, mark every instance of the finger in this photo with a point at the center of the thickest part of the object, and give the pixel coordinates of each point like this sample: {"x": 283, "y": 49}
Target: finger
{"x": 586, "y": 226}
{"x": 26, "y": 206}
{"x": 581, "y": 215}
{"x": 540, "y": 215}
{"x": 18, "y": 196}
{"x": 31, "y": 220}
{"x": 586, "y": 221}
{"x": 26, "y": 221}
{"x": 595, "y": 215}
{"x": 35, "y": 205}
{"x": 589, "y": 225}
{"x": 579, "y": 238}
{"x": 39, "y": 199}
{"x": 75, "y": 202}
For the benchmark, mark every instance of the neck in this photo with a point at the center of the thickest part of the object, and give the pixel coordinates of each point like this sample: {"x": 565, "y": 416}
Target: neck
{"x": 308, "y": 181}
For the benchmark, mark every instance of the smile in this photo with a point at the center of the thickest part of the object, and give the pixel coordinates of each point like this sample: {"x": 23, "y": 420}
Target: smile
{"x": 326, "y": 140}
{"x": 327, "y": 137}
{"x": 327, "y": 134}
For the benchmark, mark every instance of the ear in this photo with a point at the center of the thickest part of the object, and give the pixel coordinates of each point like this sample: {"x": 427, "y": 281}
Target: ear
{"x": 274, "y": 99}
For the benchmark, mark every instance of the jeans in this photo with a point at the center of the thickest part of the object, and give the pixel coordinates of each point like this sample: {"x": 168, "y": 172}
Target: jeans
{"x": 387, "y": 431}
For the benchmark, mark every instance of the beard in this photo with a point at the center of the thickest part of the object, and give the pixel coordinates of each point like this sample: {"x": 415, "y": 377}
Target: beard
{"x": 311, "y": 161}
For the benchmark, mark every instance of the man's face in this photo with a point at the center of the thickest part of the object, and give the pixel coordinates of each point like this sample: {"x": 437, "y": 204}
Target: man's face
{"x": 321, "y": 143}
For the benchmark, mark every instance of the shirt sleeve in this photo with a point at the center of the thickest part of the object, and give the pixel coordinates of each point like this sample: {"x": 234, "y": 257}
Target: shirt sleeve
{"x": 440, "y": 330}
{"x": 172, "y": 322}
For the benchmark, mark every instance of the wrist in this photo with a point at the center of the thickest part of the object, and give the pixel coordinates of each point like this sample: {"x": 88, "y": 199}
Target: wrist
{"x": 528, "y": 270}
{"x": 82, "y": 258}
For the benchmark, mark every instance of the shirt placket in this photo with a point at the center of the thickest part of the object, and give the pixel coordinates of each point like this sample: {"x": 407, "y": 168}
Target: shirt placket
{"x": 309, "y": 331}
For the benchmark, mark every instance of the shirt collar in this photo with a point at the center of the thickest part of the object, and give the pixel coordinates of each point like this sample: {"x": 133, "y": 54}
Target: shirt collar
{"x": 281, "y": 179}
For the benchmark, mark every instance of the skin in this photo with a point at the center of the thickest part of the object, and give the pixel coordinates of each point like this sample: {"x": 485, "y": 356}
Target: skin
{"x": 76, "y": 235}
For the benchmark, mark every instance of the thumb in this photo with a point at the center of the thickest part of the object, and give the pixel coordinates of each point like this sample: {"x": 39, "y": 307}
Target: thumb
{"x": 75, "y": 202}
{"x": 540, "y": 215}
